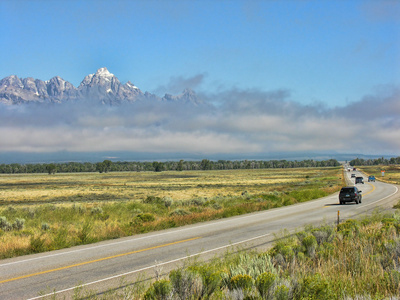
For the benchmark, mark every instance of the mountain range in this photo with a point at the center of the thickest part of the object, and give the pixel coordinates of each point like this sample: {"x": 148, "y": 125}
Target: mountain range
{"x": 101, "y": 86}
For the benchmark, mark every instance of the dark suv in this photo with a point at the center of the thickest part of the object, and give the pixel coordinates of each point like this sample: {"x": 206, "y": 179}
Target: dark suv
{"x": 359, "y": 180}
{"x": 350, "y": 194}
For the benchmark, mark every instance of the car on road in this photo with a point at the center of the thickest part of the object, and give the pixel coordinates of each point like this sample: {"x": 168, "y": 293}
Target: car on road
{"x": 359, "y": 180}
{"x": 353, "y": 175}
{"x": 371, "y": 178}
{"x": 350, "y": 194}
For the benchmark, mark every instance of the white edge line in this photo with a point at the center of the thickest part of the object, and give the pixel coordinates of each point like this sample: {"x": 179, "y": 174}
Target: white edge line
{"x": 134, "y": 239}
{"x": 150, "y": 267}
{"x": 380, "y": 199}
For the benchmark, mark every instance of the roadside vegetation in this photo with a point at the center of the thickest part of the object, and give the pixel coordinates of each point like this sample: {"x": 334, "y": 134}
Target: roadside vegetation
{"x": 42, "y": 212}
{"x": 391, "y": 175}
{"x": 355, "y": 260}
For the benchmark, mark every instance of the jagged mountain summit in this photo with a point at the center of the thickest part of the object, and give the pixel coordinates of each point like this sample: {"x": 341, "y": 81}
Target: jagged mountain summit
{"x": 101, "y": 86}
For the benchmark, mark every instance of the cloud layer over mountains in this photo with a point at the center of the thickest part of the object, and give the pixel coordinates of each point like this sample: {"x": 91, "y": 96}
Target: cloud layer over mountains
{"x": 233, "y": 121}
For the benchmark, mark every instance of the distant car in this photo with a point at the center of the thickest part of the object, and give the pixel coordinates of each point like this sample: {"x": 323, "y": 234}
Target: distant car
{"x": 350, "y": 194}
{"x": 359, "y": 180}
{"x": 354, "y": 169}
{"x": 353, "y": 175}
{"x": 371, "y": 178}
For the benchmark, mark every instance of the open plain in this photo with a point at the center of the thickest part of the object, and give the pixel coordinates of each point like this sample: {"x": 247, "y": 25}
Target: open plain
{"x": 47, "y": 212}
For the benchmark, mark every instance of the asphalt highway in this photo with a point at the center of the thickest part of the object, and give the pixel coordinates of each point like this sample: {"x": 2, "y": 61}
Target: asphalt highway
{"x": 106, "y": 265}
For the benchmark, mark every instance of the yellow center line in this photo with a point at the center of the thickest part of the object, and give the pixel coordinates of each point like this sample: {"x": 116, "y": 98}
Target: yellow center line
{"x": 96, "y": 260}
{"x": 373, "y": 188}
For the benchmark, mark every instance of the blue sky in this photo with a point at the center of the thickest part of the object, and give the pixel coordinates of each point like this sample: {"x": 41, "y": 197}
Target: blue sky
{"x": 332, "y": 52}
{"x": 283, "y": 73}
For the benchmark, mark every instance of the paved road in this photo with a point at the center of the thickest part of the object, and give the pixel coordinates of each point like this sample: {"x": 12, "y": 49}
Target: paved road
{"x": 103, "y": 265}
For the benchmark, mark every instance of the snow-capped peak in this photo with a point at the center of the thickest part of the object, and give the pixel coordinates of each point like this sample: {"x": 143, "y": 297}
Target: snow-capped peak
{"x": 131, "y": 85}
{"x": 102, "y": 85}
{"x": 103, "y": 72}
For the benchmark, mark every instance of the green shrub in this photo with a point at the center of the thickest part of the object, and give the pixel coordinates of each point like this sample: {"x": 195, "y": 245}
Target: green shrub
{"x": 145, "y": 217}
{"x": 30, "y": 212}
{"x": 103, "y": 216}
{"x": 167, "y": 201}
{"x": 349, "y": 226}
{"x": 282, "y": 292}
{"x": 310, "y": 243}
{"x": 320, "y": 236}
{"x": 153, "y": 200}
{"x": 45, "y": 226}
{"x": 5, "y": 225}
{"x": 315, "y": 287}
{"x": 265, "y": 284}
{"x": 96, "y": 210}
{"x": 211, "y": 279}
{"x": 243, "y": 282}
{"x": 216, "y": 206}
{"x": 198, "y": 201}
{"x": 287, "y": 252}
{"x": 326, "y": 250}
{"x": 301, "y": 235}
{"x": 11, "y": 210}
{"x": 159, "y": 290}
{"x": 18, "y": 224}
{"x": 390, "y": 221}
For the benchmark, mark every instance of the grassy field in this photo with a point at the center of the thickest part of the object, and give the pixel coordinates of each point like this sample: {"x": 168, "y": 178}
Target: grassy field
{"x": 46, "y": 212}
{"x": 89, "y": 187}
{"x": 392, "y": 173}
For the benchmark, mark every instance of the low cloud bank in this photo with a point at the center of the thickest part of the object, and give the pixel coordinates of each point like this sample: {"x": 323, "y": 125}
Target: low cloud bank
{"x": 234, "y": 121}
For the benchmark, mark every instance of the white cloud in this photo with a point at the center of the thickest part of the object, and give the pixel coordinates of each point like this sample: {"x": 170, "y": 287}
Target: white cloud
{"x": 242, "y": 122}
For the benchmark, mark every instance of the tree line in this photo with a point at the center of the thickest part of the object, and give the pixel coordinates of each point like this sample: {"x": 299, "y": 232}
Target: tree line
{"x": 205, "y": 164}
{"x": 376, "y": 161}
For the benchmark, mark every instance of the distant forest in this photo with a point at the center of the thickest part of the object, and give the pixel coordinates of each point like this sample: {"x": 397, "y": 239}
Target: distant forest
{"x": 374, "y": 162}
{"x": 205, "y": 164}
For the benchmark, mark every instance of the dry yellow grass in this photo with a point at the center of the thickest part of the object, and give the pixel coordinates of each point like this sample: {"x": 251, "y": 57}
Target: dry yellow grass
{"x": 10, "y": 245}
{"x": 92, "y": 187}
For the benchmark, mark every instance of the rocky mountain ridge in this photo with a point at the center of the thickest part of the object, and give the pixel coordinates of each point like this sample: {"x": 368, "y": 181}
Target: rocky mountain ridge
{"x": 101, "y": 86}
